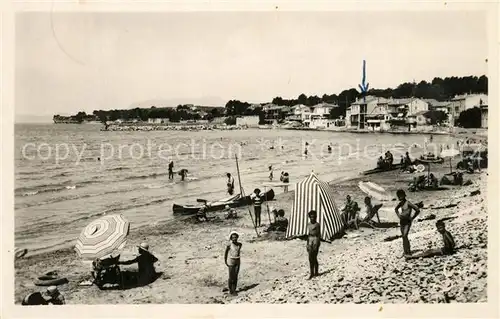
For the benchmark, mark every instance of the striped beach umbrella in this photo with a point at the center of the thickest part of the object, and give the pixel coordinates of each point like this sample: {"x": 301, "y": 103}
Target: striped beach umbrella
{"x": 314, "y": 194}
{"x": 102, "y": 237}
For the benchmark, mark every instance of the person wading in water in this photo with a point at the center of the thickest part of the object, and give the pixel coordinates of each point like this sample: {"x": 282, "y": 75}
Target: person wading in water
{"x": 171, "y": 170}
{"x": 230, "y": 184}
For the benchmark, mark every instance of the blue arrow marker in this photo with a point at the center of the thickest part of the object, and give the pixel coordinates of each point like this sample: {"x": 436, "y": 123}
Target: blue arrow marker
{"x": 364, "y": 86}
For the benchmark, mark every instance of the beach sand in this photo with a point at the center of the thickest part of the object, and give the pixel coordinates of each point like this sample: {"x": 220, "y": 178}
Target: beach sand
{"x": 360, "y": 268}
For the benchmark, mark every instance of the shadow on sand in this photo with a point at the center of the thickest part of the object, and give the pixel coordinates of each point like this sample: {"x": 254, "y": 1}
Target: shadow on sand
{"x": 129, "y": 281}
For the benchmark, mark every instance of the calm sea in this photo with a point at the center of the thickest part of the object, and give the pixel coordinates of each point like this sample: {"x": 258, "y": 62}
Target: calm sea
{"x": 67, "y": 175}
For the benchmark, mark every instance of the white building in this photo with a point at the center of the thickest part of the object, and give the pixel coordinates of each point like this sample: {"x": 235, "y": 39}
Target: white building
{"x": 357, "y": 112}
{"x": 464, "y": 102}
{"x": 158, "y": 120}
{"x": 250, "y": 121}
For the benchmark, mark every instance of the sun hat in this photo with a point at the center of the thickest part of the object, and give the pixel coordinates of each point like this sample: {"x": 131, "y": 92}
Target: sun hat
{"x": 233, "y": 233}
{"x": 144, "y": 246}
{"x": 420, "y": 168}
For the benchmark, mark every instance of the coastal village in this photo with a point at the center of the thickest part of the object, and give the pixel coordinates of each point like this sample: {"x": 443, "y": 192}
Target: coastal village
{"x": 369, "y": 113}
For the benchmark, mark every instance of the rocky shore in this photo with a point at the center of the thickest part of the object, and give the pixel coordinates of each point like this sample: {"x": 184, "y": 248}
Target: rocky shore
{"x": 153, "y": 127}
{"x": 361, "y": 267}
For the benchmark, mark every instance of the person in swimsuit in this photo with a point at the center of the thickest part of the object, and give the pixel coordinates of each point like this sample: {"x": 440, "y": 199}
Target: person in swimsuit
{"x": 232, "y": 260}
{"x": 371, "y": 211}
{"x": 230, "y": 184}
{"x": 257, "y": 206}
{"x": 171, "y": 170}
{"x": 183, "y": 173}
{"x": 270, "y": 172}
{"x": 313, "y": 243}
{"x": 405, "y": 218}
{"x": 448, "y": 244}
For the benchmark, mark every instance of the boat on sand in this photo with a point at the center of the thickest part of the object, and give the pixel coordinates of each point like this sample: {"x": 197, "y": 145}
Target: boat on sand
{"x": 233, "y": 201}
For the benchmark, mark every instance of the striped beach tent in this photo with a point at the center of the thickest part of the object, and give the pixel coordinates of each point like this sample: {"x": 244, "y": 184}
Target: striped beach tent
{"x": 314, "y": 194}
{"x": 102, "y": 236}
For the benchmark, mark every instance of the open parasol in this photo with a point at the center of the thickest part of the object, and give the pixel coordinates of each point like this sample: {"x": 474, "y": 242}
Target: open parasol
{"x": 102, "y": 237}
{"x": 450, "y": 153}
{"x": 430, "y": 159}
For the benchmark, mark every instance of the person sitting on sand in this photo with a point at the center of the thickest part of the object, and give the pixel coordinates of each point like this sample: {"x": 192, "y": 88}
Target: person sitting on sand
{"x": 233, "y": 261}
{"x": 433, "y": 182}
{"x": 313, "y": 243}
{"x": 405, "y": 218}
{"x": 229, "y": 213}
{"x": 448, "y": 244}
{"x": 145, "y": 261}
{"x": 350, "y": 211}
{"x": 53, "y": 296}
{"x": 201, "y": 215}
{"x": 329, "y": 148}
{"x": 371, "y": 211}
{"x": 282, "y": 222}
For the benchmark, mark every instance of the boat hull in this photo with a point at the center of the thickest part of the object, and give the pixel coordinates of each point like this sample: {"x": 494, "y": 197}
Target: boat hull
{"x": 219, "y": 205}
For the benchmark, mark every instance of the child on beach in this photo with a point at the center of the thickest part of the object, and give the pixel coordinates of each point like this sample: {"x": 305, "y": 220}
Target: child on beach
{"x": 448, "y": 244}
{"x": 232, "y": 260}
{"x": 313, "y": 243}
{"x": 405, "y": 218}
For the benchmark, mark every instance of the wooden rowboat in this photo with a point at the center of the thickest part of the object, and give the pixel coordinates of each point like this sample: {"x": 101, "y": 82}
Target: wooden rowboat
{"x": 233, "y": 201}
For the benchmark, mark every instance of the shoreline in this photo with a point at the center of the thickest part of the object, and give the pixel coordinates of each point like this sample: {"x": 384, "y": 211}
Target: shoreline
{"x": 183, "y": 247}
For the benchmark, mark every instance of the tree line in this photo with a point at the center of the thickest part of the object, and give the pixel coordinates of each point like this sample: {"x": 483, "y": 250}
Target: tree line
{"x": 440, "y": 89}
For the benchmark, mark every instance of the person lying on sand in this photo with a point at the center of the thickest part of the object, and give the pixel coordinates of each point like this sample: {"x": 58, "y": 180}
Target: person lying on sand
{"x": 313, "y": 243}
{"x": 405, "y": 218}
{"x": 233, "y": 261}
{"x": 145, "y": 261}
{"x": 448, "y": 244}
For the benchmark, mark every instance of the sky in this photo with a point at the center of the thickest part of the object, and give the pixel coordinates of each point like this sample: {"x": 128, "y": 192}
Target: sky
{"x": 70, "y": 62}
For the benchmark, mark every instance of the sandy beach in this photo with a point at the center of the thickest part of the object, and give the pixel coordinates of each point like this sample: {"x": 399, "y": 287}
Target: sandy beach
{"x": 361, "y": 267}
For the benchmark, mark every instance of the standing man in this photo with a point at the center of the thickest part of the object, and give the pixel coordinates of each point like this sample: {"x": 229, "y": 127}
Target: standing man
{"x": 230, "y": 184}
{"x": 405, "y": 218}
{"x": 313, "y": 243}
{"x": 171, "y": 170}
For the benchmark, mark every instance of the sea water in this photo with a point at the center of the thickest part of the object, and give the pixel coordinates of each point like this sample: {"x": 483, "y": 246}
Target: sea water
{"x": 67, "y": 175}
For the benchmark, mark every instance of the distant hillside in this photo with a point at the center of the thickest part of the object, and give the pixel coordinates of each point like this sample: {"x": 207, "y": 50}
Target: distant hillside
{"x": 206, "y": 101}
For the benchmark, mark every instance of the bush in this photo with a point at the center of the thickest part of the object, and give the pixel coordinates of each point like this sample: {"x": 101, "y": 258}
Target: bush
{"x": 230, "y": 120}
